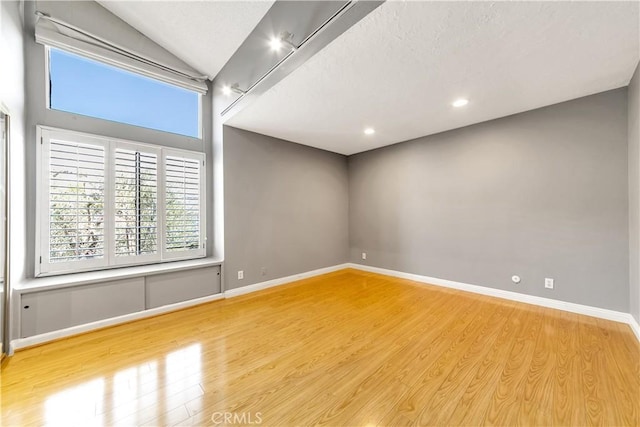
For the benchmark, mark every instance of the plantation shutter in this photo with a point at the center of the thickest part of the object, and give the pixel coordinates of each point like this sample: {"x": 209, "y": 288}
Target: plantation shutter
{"x": 111, "y": 203}
{"x": 183, "y": 198}
{"x": 135, "y": 207}
{"x": 76, "y": 201}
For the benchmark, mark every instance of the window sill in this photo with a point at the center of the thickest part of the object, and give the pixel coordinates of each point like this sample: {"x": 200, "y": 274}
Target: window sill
{"x": 78, "y": 279}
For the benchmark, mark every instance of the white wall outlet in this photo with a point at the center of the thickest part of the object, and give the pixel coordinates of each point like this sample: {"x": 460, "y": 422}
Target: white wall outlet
{"x": 240, "y": 275}
{"x": 364, "y": 255}
{"x": 548, "y": 283}
{"x": 515, "y": 279}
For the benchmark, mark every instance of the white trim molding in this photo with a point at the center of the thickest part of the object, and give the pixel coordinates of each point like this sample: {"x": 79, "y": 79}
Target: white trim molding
{"x": 602, "y": 313}
{"x": 282, "y": 281}
{"x": 99, "y": 324}
{"x": 231, "y": 293}
{"x": 19, "y": 343}
{"x": 635, "y": 327}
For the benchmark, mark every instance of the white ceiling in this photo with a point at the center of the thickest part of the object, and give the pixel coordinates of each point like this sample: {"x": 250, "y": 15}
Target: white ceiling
{"x": 204, "y": 34}
{"x": 399, "y": 69}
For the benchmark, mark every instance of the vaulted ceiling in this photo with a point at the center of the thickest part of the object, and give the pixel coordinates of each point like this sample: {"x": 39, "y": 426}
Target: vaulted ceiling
{"x": 204, "y": 34}
{"x": 399, "y": 68}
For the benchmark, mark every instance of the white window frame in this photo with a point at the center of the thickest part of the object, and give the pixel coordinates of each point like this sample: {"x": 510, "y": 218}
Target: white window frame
{"x": 45, "y": 268}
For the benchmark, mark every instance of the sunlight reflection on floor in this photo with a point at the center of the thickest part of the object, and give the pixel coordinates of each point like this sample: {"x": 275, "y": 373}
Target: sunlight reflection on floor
{"x": 135, "y": 395}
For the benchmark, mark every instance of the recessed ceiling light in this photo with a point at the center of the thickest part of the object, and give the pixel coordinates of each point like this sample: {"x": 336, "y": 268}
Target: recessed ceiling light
{"x": 460, "y": 102}
{"x": 226, "y": 90}
{"x": 275, "y": 43}
{"x": 369, "y": 131}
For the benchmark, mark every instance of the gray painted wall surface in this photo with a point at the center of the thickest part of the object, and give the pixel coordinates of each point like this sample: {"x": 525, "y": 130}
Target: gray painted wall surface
{"x": 634, "y": 194}
{"x": 50, "y": 310}
{"x": 170, "y": 288}
{"x": 62, "y": 308}
{"x": 538, "y": 194}
{"x": 286, "y": 208}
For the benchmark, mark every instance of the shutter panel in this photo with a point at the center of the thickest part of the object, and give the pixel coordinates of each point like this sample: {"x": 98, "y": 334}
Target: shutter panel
{"x": 76, "y": 201}
{"x": 182, "y": 204}
{"x": 135, "y": 207}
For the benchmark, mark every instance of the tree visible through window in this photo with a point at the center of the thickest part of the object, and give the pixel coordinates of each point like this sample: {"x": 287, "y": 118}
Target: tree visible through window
{"x": 101, "y": 203}
{"x": 182, "y": 203}
{"x": 136, "y": 213}
{"x": 76, "y": 204}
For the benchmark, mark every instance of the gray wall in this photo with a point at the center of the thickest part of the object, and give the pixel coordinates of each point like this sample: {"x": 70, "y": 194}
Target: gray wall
{"x": 634, "y": 194}
{"x": 538, "y": 194}
{"x": 286, "y": 208}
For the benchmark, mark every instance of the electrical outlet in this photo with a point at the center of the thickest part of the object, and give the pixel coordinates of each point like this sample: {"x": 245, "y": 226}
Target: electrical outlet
{"x": 364, "y": 255}
{"x": 548, "y": 283}
{"x": 240, "y": 275}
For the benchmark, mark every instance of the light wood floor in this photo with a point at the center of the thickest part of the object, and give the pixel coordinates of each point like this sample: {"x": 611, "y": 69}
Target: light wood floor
{"x": 348, "y": 348}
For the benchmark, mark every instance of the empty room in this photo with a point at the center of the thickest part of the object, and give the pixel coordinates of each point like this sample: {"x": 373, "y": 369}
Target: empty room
{"x": 338, "y": 213}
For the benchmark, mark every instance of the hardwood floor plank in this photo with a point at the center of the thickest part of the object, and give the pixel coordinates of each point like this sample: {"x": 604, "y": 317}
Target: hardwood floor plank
{"x": 624, "y": 379}
{"x": 592, "y": 383}
{"x": 476, "y": 399}
{"x": 346, "y": 348}
{"x": 444, "y": 399}
{"x": 507, "y": 392}
{"x": 535, "y": 397}
{"x": 563, "y": 389}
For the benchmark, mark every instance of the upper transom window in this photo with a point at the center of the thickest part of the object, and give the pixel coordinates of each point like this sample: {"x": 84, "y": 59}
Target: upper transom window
{"x": 83, "y": 86}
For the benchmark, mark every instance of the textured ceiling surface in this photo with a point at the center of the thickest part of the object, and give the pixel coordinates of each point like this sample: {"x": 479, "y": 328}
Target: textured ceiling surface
{"x": 204, "y": 34}
{"x": 399, "y": 69}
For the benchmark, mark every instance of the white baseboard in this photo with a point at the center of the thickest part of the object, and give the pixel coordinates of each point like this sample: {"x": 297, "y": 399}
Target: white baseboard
{"x": 282, "y": 281}
{"x": 616, "y": 316}
{"x": 498, "y": 293}
{"x": 75, "y": 330}
{"x": 19, "y": 343}
{"x": 635, "y": 327}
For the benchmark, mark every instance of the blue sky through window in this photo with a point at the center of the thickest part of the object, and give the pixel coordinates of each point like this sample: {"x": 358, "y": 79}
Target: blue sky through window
{"x": 90, "y": 88}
